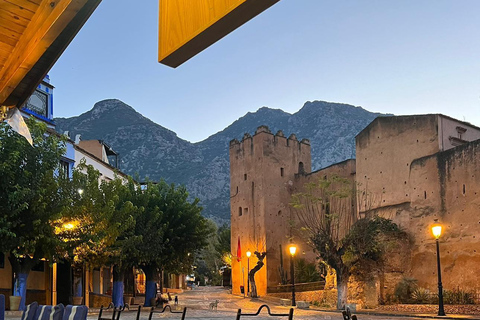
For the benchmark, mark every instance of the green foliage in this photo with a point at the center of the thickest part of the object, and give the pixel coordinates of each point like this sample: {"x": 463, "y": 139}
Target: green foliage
{"x": 458, "y": 296}
{"x": 29, "y": 194}
{"x": 170, "y": 228}
{"x": 404, "y": 290}
{"x": 407, "y": 291}
{"x": 222, "y": 245}
{"x": 215, "y": 255}
{"x": 306, "y": 272}
{"x": 102, "y": 216}
{"x": 366, "y": 243}
{"x": 422, "y": 296}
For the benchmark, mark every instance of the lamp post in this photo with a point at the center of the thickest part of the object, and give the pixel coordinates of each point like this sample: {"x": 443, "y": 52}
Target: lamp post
{"x": 248, "y": 270}
{"x": 437, "y": 231}
{"x": 292, "y": 250}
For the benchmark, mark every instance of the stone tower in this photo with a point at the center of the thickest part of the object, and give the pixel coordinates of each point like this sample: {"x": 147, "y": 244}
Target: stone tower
{"x": 262, "y": 170}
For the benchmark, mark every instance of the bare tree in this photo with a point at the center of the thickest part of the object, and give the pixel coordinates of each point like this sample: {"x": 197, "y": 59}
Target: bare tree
{"x": 330, "y": 224}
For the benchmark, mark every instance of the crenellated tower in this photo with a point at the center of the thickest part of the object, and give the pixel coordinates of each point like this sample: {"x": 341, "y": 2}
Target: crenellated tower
{"x": 262, "y": 170}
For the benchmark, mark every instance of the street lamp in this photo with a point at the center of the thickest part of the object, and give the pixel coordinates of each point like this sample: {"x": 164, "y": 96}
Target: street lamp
{"x": 292, "y": 250}
{"x": 248, "y": 271}
{"x": 80, "y": 191}
{"x": 437, "y": 232}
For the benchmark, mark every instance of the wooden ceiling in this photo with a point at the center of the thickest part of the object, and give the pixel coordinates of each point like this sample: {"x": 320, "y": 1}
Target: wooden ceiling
{"x": 33, "y": 35}
{"x": 187, "y": 27}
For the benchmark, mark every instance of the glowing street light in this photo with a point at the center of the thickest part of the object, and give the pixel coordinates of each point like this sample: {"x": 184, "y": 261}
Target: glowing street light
{"x": 68, "y": 226}
{"x": 80, "y": 191}
{"x": 248, "y": 253}
{"x": 293, "y": 250}
{"x": 437, "y": 232}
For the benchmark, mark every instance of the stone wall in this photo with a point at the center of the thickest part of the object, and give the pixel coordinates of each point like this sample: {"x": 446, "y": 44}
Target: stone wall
{"x": 262, "y": 170}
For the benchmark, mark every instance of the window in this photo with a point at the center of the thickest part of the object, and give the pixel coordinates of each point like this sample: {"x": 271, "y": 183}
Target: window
{"x": 38, "y": 103}
{"x": 245, "y": 210}
{"x": 240, "y": 211}
{"x": 281, "y": 172}
{"x": 245, "y": 176}
{"x": 65, "y": 169}
{"x": 2, "y": 260}
{"x": 460, "y": 132}
{"x": 301, "y": 168}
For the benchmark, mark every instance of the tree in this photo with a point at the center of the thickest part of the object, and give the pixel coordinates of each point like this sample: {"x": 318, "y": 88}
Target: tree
{"x": 96, "y": 225}
{"x": 215, "y": 255}
{"x": 171, "y": 229}
{"x": 251, "y": 275}
{"x": 343, "y": 240}
{"x": 30, "y": 200}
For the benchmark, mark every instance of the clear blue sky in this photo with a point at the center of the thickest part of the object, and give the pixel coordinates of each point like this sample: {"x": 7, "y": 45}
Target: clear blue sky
{"x": 401, "y": 57}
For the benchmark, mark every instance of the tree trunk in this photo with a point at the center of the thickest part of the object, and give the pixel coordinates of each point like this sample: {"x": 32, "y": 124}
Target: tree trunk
{"x": 150, "y": 284}
{"x": 342, "y": 288}
{"x": 251, "y": 275}
{"x": 118, "y": 286}
{"x": 253, "y": 286}
{"x": 21, "y": 270}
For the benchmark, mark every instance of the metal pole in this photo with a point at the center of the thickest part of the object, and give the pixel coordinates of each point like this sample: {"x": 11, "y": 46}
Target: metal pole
{"x": 441, "y": 311}
{"x": 243, "y": 279}
{"x": 248, "y": 276}
{"x": 292, "y": 275}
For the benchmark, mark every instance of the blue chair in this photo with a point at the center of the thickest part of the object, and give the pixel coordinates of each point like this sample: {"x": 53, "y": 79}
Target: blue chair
{"x": 30, "y": 310}
{"x": 75, "y": 313}
{"x": 2, "y": 307}
{"x": 49, "y": 312}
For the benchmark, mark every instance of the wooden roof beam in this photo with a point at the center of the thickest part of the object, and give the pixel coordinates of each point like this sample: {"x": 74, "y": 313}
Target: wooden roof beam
{"x": 186, "y": 27}
{"x": 49, "y": 21}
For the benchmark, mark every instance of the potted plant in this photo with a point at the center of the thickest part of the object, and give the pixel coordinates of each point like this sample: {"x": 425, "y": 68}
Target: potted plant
{"x": 15, "y": 300}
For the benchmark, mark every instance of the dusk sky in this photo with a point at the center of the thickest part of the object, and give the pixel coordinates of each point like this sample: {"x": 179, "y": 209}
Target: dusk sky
{"x": 390, "y": 56}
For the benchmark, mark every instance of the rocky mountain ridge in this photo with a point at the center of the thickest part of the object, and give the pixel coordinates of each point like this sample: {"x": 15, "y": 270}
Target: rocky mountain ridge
{"x": 153, "y": 151}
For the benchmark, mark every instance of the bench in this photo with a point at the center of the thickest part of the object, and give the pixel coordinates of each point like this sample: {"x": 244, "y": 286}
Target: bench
{"x": 289, "y": 314}
{"x": 152, "y": 311}
{"x": 115, "y": 312}
{"x": 303, "y": 304}
{"x": 285, "y": 302}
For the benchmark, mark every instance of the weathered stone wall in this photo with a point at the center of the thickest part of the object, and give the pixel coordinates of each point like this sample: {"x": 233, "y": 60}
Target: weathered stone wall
{"x": 451, "y": 181}
{"x": 401, "y": 173}
{"x": 384, "y": 153}
{"x": 262, "y": 170}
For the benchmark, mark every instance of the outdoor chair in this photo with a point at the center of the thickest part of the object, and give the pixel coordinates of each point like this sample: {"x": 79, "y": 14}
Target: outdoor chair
{"x": 34, "y": 311}
{"x": 2, "y": 307}
{"x": 49, "y": 312}
{"x": 289, "y": 314}
{"x": 115, "y": 312}
{"x": 75, "y": 312}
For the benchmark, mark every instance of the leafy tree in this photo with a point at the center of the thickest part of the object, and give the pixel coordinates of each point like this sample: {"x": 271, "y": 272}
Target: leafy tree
{"x": 100, "y": 224}
{"x": 215, "y": 255}
{"x": 171, "y": 229}
{"x": 30, "y": 200}
{"x": 344, "y": 241}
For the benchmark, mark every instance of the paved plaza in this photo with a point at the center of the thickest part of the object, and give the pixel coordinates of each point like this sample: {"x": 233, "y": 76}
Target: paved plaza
{"x": 198, "y": 300}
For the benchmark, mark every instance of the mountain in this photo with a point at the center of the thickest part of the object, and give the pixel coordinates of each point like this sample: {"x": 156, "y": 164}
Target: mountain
{"x": 153, "y": 151}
